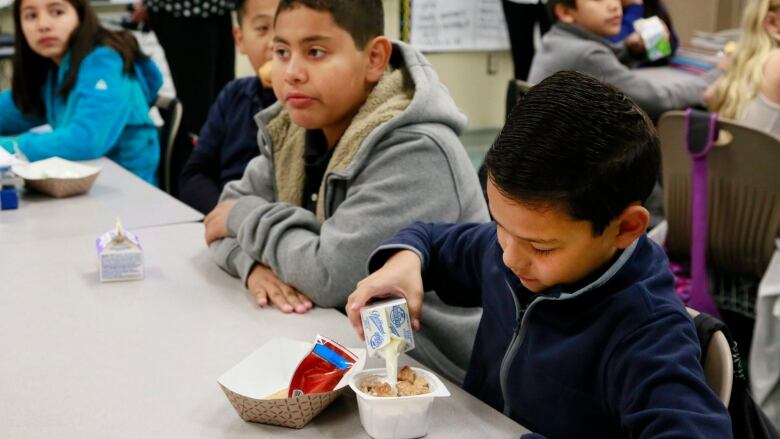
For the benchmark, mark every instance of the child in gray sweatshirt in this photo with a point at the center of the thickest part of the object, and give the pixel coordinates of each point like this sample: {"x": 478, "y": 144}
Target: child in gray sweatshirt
{"x": 577, "y": 42}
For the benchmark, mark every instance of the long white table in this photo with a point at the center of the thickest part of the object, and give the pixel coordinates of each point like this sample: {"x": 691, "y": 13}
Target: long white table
{"x": 115, "y": 193}
{"x": 81, "y": 359}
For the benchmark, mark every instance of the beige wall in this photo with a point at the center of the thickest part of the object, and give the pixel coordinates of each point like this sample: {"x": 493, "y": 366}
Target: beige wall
{"x": 480, "y": 93}
{"x": 706, "y": 15}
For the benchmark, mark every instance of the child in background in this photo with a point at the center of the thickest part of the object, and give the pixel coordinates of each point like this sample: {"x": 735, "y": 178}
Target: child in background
{"x": 750, "y": 90}
{"x": 582, "y": 332}
{"x": 228, "y": 139}
{"x": 636, "y": 9}
{"x": 363, "y": 140}
{"x": 577, "y": 42}
{"x": 93, "y": 87}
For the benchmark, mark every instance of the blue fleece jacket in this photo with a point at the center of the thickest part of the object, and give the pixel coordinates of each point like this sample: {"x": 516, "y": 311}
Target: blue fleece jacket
{"x": 227, "y": 142}
{"x": 105, "y": 114}
{"x": 615, "y": 356}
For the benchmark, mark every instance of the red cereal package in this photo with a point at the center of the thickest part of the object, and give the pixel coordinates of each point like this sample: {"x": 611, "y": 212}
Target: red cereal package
{"x": 322, "y": 369}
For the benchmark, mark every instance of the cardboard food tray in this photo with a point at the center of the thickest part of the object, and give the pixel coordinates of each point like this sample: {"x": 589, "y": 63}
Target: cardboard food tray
{"x": 44, "y": 176}
{"x": 269, "y": 369}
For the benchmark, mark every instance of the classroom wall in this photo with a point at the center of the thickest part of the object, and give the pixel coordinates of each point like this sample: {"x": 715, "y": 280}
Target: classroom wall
{"x": 706, "y": 15}
{"x": 477, "y": 80}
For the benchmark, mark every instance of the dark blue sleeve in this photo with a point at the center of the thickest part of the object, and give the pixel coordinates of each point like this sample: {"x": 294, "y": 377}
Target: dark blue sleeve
{"x": 453, "y": 257}
{"x": 199, "y": 184}
{"x": 656, "y": 383}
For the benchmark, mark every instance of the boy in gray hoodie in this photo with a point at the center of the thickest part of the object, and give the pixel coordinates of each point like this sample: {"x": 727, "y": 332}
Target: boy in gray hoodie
{"x": 577, "y": 41}
{"x": 362, "y": 141}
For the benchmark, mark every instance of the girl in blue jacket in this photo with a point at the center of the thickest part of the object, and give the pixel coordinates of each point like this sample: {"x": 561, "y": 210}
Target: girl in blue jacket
{"x": 93, "y": 86}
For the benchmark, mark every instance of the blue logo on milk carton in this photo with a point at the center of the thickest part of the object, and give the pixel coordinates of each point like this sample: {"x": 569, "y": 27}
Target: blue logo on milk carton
{"x": 376, "y": 340}
{"x": 377, "y": 337}
{"x": 373, "y": 317}
{"x": 397, "y": 315}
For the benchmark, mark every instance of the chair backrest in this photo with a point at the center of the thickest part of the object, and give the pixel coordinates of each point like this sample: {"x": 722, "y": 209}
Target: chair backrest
{"x": 718, "y": 364}
{"x": 170, "y": 110}
{"x": 516, "y": 89}
{"x": 744, "y": 194}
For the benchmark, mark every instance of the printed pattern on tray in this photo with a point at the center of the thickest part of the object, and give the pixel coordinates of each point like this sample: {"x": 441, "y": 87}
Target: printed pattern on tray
{"x": 290, "y": 412}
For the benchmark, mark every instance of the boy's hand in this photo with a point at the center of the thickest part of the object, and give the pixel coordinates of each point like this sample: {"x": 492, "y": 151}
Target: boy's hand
{"x": 400, "y": 276}
{"x": 264, "y": 285}
{"x": 634, "y": 43}
{"x": 216, "y": 221}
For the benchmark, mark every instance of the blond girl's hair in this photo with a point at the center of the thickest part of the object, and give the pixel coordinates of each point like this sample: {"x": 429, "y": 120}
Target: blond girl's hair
{"x": 742, "y": 82}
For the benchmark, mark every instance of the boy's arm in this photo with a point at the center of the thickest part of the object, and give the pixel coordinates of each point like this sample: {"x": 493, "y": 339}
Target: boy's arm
{"x": 253, "y": 190}
{"x": 325, "y": 261}
{"x": 451, "y": 257}
{"x": 656, "y": 383}
{"x": 97, "y": 121}
{"x": 199, "y": 182}
{"x": 12, "y": 121}
{"x": 653, "y": 97}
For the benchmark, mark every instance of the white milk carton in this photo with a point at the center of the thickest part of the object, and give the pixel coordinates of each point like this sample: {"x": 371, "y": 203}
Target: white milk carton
{"x": 120, "y": 256}
{"x": 655, "y": 37}
{"x": 388, "y": 331}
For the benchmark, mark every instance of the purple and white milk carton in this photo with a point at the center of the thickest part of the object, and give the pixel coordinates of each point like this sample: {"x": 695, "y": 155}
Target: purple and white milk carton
{"x": 120, "y": 255}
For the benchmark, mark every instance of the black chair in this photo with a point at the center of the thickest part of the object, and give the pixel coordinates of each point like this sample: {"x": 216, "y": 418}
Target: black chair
{"x": 170, "y": 110}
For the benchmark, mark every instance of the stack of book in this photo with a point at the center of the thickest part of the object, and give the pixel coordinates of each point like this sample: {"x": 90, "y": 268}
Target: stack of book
{"x": 704, "y": 51}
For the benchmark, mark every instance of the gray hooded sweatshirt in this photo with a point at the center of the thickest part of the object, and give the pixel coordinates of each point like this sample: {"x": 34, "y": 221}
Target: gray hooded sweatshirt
{"x": 399, "y": 161}
{"x": 570, "y": 47}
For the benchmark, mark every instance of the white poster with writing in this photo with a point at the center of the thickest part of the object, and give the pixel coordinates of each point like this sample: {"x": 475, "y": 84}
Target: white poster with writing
{"x": 458, "y": 25}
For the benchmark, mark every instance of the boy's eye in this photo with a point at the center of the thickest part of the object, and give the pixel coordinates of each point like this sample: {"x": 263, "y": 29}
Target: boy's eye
{"x": 317, "y": 53}
{"x": 543, "y": 252}
{"x": 262, "y": 30}
{"x": 281, "y": 52}
{"x": 56, "y": 12}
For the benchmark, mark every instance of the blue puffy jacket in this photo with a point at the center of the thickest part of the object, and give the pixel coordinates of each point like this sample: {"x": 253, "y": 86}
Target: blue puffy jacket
{"x": 105, "y": 114}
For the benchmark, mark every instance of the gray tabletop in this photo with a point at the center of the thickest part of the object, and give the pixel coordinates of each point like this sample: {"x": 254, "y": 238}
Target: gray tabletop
{"x": 115, "y": 193}
{"x": 81, "y": 359}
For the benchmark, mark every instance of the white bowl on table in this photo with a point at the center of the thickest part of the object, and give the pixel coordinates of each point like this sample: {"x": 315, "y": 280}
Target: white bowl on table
{"x": 399, "y": 417}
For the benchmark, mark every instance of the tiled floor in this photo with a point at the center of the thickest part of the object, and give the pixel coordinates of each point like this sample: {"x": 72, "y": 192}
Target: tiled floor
{"x": 477, "y": 142}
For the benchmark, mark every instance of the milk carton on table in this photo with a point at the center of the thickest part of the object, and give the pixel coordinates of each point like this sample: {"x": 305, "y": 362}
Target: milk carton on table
{"x": 120, "y": 255}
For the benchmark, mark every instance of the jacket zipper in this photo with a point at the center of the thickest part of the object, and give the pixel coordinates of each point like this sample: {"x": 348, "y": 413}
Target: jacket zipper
{"x": 514, "y": 344}
{"x": 519, "y": 334}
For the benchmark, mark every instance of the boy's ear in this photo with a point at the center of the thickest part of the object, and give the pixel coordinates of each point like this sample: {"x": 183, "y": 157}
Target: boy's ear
{"x": 631, "y": 224}
{"x": 378, "y": 52}
{"x": 564, "y": 13}
{"x": 238, "y": 37}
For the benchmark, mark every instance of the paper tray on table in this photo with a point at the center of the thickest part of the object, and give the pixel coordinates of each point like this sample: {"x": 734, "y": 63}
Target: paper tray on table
{"x": 57, "y": 177}
{"x": 269, "y": 369}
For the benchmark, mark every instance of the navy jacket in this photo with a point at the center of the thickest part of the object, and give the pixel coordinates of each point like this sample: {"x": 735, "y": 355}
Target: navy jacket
{"x": 227, "y": 142}
{"x": 615, "y": 356}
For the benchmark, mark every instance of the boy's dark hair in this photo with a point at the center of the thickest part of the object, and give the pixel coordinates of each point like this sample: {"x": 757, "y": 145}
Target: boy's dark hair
{"x": 31, "y": 70}
{"x": 362, "y": 19}
{"x": 240, "y": 8}
{"x": 578, "y": 144}
{"x": 551, "y": 7}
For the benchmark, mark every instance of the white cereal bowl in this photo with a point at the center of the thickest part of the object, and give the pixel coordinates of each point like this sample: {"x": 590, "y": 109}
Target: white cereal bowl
{"x": 401, "y": 417}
